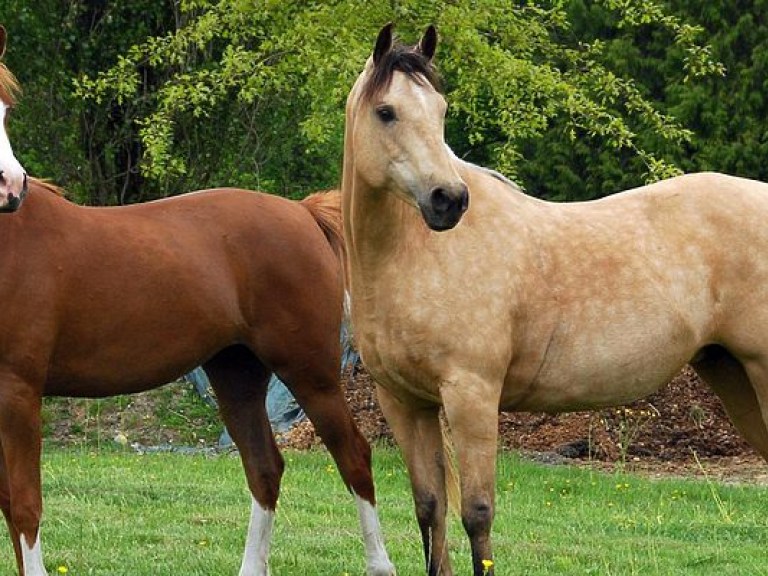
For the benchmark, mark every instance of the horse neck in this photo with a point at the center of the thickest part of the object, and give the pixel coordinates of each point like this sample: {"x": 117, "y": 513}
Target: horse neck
{"x": 46, "y": 202}
{"x": 35, "y": 221}
{"x": 375, "y": 221}
{"x": 379, "y": 227}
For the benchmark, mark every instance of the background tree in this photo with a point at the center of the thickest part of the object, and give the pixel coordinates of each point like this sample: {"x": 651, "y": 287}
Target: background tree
{"x": 91, "y": 148}
{"x": 729, "y": 114}
{"x": 724, "y": 112}
{"x": 177, "y": 96}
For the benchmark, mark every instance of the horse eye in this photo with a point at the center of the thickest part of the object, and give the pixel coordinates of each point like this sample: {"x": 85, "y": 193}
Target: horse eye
{"x": 386, "y": 114}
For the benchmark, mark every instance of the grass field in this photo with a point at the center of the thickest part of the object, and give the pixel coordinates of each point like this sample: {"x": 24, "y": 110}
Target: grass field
{"x": 120, "y": 513}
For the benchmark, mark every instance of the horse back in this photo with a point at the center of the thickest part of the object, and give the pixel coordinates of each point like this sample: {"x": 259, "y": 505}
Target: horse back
{"x": 658, "y": 272}
{"x": 126, "y": 298}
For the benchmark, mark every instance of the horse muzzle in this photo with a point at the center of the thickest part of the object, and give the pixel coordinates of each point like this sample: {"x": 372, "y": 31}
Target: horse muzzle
{"x": 13, "y": 201}
{"x": 444, "y": 206}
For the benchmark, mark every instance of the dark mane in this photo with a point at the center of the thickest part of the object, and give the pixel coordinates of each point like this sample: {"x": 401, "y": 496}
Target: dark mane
{"x": 9, "y": 87}
{"x": 400, "y": 58}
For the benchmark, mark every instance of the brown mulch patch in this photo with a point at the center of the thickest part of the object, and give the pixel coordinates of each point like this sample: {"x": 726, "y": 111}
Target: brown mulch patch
{"x": 668, "y": 431}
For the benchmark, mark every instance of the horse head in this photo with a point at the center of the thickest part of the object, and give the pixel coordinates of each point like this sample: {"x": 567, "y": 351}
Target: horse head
{"x": 13, "y": 178}
{"x": 396, "y": 122}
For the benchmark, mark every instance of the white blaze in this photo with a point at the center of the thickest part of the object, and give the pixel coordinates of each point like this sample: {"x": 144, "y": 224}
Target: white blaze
{"x": 12, "y": 173}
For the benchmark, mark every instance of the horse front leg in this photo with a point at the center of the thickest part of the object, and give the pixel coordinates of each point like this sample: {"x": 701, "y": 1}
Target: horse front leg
{"x": 416, "y": 428}
{"x": 5, "y": 505}
{"x": 20, "y": 484}
{"x": 471, "y": 408}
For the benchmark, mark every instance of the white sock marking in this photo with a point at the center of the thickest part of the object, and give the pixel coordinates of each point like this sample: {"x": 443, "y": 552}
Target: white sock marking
{"x": 377, "y": 560}
{"x": 256, "y": 555}
{"x": 32, "y": 557}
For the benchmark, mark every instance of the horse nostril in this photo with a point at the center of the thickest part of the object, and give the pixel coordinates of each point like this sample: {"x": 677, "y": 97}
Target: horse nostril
{"x": 445, "y": 200}
{"x": 441, "y": 201}
{"x": 443, "y": 206}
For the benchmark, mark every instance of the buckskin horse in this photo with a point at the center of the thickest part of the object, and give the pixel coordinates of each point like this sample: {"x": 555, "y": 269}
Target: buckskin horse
{"x": 104, "y": 301}
{"x": 468, "y": 294}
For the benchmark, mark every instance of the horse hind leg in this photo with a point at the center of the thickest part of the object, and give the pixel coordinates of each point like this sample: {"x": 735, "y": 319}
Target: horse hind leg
{"x": 313, "y": 379}
{"x": 729, "y": 379}
{"x": 240, "y": 382}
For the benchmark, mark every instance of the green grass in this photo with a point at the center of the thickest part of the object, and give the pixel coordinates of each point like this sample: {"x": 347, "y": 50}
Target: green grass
{"x": 170, "y": 414}
{"x": 119, "y": 513}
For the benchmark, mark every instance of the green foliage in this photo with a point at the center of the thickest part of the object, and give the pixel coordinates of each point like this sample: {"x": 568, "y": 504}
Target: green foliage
{"x": 40, "y": 126}
{"x": 125, "y": 102}
{"x": 537, "y": 83}
{"x": 728, "y": 114}
{"x": 249, "y": 78}
{"x": 638, "y": 50}
{"x": 91, "y": 149}
{"x": 511, "y": 72}
{"x": 725, "y": 111}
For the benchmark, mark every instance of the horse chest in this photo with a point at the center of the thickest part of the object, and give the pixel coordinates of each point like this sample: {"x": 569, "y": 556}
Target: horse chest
{"x": 413, "y": 340}
{"x": 397, "y": 354}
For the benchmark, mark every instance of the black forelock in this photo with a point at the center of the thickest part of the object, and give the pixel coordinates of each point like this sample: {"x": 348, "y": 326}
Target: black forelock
{"x": 400, "y": 58}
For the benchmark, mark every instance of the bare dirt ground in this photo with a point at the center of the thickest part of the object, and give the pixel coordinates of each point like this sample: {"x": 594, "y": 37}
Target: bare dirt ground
{"x": 681, "y": 430}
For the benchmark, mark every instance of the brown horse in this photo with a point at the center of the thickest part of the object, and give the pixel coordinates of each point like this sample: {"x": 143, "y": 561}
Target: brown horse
{"x": 521, "y": 304}
{"x": 13, "y": 179}
{"x": 104, "y": 301}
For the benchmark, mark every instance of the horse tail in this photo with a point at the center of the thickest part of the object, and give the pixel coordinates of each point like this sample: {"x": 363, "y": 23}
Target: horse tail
{"x": 452, "y": 486}
{"x": 325, "y": 208}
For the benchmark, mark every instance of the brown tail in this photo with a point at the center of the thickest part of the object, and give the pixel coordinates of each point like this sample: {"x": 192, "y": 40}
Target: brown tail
{"x": 325, "y": 208}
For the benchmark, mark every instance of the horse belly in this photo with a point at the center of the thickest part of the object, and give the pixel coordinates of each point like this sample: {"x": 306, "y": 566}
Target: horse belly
{"x": 124, "y": 366}
{"x": 139, "y": 346}
{"x": 584, "y": 389}
{"x": 608, "y": 365}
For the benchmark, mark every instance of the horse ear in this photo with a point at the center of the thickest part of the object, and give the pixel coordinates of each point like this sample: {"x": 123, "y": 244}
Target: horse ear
{"x": 3, "y": 36}
{"x": 428, "y": 43}
{"x": 383, "y": 43}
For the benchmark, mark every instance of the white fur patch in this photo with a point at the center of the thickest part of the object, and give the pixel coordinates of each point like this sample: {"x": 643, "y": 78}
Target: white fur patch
{"x": 256, "y": 555}
{"x": 32, "y": 558}
{"x": 376, "y": 558}
{"x": 6, "y": 153}
{"x": 12, "y": 172}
